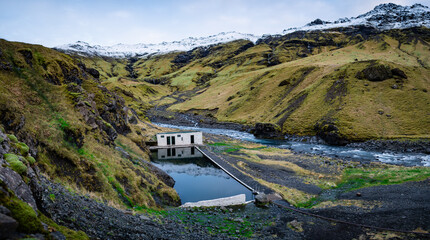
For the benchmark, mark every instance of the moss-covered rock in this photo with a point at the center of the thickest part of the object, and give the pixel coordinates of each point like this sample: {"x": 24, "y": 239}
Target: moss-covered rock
{"x": 23, "y": 148}
{"x": 31, "y": 160}
{"x": 15, "y": 163}
{"x": 12, "y": 138}
{"x": 21, "y": 212}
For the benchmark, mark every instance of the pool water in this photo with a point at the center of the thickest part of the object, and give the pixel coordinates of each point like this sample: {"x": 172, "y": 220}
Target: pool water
{"x": 197, "y": 178}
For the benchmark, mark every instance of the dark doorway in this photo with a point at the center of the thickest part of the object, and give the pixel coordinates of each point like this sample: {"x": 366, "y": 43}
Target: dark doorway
{"x": 168, "y": 140}
{"x": 192, "y": 139}
{"x": 173, "y": 140}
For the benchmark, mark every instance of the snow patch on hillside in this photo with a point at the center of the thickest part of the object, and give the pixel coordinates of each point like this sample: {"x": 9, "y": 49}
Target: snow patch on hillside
{"x": 141, "y": 50}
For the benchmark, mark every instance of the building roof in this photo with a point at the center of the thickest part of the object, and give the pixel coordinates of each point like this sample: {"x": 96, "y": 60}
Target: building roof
{"x": 177, "y": 132}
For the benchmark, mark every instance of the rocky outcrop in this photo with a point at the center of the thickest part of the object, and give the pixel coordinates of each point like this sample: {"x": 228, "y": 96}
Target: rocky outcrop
{"x": 162, "y": 175}
{"x": 267, "y": 130}
{"x": 375, "y": 73}
{"x": 15, "y": 183}
{"x": 8, "y": 225}
{"x": 93, "y": 72}
{"x": 327, "y": 130}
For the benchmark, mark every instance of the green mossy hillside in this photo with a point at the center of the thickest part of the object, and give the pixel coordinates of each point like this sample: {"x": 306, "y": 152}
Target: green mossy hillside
{"x": 61, "y": 118}
{"x": 329, "y": 84}
{"x": 354, "y": 84}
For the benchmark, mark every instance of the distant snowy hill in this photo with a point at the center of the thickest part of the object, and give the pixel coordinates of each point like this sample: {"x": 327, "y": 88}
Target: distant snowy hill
{"x": 382, "y": 17}
{"x": 140, "y": 50}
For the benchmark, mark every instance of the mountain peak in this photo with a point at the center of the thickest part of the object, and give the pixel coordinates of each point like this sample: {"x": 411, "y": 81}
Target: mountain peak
{"x": 141, "y": 50}
{"x": 382, "y": 17}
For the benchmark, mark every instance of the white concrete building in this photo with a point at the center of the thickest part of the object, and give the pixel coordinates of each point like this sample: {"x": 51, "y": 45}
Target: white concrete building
{"x": 179, "y": 138}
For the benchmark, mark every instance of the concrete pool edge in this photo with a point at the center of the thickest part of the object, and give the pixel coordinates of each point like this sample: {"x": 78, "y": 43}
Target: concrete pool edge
{"x": 219, "y": 202}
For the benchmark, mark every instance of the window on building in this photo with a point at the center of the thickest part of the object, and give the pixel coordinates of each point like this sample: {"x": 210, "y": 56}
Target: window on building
{"x": 162, "y": 136}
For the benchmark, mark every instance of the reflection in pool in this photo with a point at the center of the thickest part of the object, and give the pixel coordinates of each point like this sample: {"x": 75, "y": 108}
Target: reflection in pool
{"x": 197, "y": 178}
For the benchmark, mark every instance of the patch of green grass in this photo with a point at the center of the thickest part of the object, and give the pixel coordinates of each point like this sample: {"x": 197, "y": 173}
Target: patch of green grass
{"x": 118, "y": 188}
{"x": 231, "y": 147}
{"x": 356, "y": 178}
{"x": 52, "y": 197}
{"x": 361, "y": 178}
{"x": 310, "y": 203}
{"x": 63, "y": 124}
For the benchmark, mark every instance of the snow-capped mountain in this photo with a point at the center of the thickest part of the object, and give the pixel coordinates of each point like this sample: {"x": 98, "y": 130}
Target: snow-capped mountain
{"x": 382, "y": 17}
{"x": 141, "y": 50}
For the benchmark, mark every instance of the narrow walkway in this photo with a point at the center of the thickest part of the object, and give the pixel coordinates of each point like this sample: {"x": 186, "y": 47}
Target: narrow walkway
{"x": 246, "y": 181}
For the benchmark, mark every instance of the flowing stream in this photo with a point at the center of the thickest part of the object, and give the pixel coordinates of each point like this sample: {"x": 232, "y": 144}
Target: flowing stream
{"x": 405, "y": 159}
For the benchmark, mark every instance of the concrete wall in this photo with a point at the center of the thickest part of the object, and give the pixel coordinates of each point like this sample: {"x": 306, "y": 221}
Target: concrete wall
{"x": 177, "y": 153}
{"x": 181, "y": 138}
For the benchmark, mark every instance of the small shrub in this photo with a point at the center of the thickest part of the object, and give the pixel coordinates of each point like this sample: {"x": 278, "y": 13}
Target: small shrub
{"x": 1, "y": 139}
{"x": 12, "y": 138}
{"x": 63, "y": 123}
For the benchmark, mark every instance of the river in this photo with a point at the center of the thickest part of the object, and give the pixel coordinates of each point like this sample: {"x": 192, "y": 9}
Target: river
{"x": 404, "y": 159}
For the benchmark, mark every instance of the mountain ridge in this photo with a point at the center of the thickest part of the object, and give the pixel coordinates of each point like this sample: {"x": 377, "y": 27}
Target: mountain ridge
{"x": 383, "y": 17}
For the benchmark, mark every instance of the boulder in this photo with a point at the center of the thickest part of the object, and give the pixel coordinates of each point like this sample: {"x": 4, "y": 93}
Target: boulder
{"x": 15, "y": 183}
{"x": 93, "y": 72}
{"x": 267, "y": 130}
{"x": 262, "y": 200}
{"x": 329, "y": 132}
{"x": 399, "y": 73}
{"x": 8, "y": 226}
{"x": 132, "y": 119}
{"x": 375, "y": 73}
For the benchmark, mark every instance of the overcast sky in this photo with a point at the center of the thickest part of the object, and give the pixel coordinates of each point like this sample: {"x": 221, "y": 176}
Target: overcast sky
{"x": 108, "y": 22}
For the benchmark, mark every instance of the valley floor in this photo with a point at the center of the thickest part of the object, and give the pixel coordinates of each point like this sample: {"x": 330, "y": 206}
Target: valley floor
{"x": 403, "y": 206}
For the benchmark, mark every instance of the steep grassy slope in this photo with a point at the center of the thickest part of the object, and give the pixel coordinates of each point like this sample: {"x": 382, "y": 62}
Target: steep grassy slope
{"x": 80, "y": 133}
{"x": 307, "y": 83}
